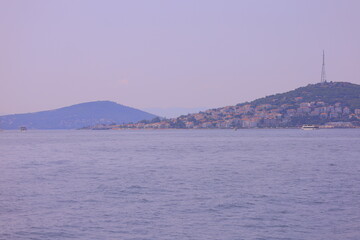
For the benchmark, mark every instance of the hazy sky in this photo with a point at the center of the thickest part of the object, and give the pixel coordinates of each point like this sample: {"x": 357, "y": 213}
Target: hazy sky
{"x": 159, "y": 54}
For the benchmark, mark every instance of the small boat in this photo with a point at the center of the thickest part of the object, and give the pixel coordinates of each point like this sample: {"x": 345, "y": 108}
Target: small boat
{"x": 309, "y": 127}
{"x": 23, "y": 129}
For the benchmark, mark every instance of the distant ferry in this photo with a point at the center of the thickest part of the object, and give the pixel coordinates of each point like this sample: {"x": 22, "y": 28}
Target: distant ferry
{"x": 22, "y": 129}
{"x": 309, "y": 127}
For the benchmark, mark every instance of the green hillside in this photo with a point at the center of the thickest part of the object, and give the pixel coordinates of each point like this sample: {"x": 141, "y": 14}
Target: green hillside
{"x": 330, "y": 93}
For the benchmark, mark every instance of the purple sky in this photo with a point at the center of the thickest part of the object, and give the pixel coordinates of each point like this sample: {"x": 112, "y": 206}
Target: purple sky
{"x": 160, "y": 54}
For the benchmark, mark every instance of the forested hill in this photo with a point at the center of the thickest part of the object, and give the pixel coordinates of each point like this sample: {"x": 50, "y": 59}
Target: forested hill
{"x": 348, "y": 94}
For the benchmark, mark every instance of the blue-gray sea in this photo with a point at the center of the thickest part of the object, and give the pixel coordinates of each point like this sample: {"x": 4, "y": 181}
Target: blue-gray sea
{"x": 180, "y": 184}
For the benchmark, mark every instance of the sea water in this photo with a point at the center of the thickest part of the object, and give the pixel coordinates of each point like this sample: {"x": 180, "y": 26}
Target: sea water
{"x": 180, "y": 184}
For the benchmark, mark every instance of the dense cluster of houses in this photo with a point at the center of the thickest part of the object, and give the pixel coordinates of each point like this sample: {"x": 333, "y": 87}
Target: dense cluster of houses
{"x": 264, "y": 115}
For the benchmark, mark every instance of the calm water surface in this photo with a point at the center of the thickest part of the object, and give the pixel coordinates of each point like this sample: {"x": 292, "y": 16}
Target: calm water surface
{"x": 180, "y": 184}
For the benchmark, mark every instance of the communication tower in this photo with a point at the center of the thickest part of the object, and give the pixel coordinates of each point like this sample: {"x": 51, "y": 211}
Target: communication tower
{"x": 323, "y": 73}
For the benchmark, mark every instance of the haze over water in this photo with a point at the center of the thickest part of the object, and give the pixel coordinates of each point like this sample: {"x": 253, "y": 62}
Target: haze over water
{"x": 180, "y": 184}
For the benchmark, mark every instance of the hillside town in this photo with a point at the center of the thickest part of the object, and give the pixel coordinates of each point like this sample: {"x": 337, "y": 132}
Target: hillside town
{"x": 325, "y": 104}
{"x": 260, "y": 116}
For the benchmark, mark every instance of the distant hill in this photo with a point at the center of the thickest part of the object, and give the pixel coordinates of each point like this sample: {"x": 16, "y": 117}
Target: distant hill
{"x": 331, "y": 104}
{"x": 76, "y": 116}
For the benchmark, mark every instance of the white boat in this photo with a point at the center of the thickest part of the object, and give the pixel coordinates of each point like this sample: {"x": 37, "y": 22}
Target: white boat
{"x": 309, "y": 127}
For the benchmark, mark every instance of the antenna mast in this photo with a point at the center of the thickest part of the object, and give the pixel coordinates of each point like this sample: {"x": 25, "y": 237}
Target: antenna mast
{"x": 323, "y": 73}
